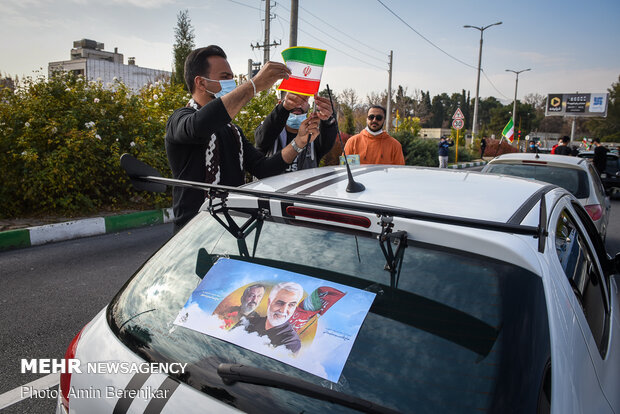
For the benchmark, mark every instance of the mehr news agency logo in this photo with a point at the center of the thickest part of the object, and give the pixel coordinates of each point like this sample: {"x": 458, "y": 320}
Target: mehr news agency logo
{"x": 74, "y": 366}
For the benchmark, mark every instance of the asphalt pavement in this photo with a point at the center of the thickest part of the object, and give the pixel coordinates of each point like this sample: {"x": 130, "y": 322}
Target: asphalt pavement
{"x": 44, "y": 305}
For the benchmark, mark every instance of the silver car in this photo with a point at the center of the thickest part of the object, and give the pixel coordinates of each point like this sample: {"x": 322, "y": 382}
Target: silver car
{"x": 501, "y": 303}
{"x": 573, "y": 173}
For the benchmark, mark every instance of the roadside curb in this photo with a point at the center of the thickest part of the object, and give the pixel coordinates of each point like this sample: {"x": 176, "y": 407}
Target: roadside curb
{"x": 467, "y": 164}
{"x": 32, "y": 236}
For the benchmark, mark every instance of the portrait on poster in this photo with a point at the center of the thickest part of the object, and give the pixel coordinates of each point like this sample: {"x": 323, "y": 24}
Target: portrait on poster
{"x": 300, "y": 320}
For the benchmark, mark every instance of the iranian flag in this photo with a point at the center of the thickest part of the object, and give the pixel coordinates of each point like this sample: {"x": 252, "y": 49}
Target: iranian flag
{"x": 306, "y": 65}
{"x": 585, "y": 143}
{"x": 509, "y": 131}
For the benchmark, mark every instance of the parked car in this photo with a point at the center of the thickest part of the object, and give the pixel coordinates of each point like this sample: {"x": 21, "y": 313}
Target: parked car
{"x": 577, "y": 176}
{"x": 490, "y": 293}
{"x": 611, "y": 176}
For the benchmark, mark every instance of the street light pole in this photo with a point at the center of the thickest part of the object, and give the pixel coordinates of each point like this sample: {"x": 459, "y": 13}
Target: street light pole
{"x": 514, "y": 105}
{"x": 474, "y": 128}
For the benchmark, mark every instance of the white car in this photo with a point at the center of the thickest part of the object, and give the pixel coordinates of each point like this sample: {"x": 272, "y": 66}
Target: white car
{"x": 501, "y": 303}
{"x": 573, "y": 173}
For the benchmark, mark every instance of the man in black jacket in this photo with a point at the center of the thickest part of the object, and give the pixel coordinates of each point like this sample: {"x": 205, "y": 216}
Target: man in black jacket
{"x": 201, "y": 142}
{"x": 563, "y": 148}
{"x": 600, "y": 156}
{"x": 282, "y": 126}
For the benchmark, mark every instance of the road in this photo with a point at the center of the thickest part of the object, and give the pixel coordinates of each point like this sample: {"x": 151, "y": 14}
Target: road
{"x": 50, "y": 292}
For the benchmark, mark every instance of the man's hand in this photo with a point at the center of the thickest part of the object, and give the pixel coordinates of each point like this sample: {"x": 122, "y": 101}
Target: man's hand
{"x": 323, "y": 107}
{"x": 292, "y": 101}
{"x": 310, "y": 125}
{"x": 270, "y": 73}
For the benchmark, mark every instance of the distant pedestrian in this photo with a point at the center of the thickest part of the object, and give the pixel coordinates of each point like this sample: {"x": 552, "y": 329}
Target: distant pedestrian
{"x": 563, "y": 148}
{"x": 600, "y": 156}
{"x": 444, "y": 144}
{"x": 483, "y": 146}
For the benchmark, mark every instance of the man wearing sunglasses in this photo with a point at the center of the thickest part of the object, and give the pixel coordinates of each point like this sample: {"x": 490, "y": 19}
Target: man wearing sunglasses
{"x": 283, "y": 124}
{"x": 373, "y": 145}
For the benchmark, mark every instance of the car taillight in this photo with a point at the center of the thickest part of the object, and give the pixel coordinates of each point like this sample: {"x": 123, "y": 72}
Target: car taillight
{"x": 328, "y": 216}
{"x": 65, "y": 377}
{"x": 595, "y": 211}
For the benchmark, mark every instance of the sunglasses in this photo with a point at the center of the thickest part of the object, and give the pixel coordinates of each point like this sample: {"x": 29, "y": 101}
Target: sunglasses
{"x": 378, "y": 117}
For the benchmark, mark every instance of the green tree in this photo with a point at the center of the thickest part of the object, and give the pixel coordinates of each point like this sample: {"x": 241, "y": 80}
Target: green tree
{"x": 61, "y": 139}
{"x": 183, "y": 45}
{"x": 255, "y": 111}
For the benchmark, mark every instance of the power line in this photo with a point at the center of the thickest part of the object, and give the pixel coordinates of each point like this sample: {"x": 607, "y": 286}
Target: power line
{"x": 423, "y": 37}
{"x": 498, "y": 91}
{"x": 340, "y": 31}
{"x": 246, "y": 5}
{"x": 337, "y": 40}
{"x": 333, "y": 47}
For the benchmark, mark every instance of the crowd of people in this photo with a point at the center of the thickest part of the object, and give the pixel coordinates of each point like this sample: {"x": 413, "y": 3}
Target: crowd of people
{"x": 204, "y": 145}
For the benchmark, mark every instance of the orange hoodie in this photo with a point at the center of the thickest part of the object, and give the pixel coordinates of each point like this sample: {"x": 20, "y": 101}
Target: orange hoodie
{"x": 379, "y": 149}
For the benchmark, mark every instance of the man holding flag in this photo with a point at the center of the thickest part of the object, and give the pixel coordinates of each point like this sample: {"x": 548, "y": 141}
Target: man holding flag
{"x": 202, "y": 143}
{"x": 281, "y": 126}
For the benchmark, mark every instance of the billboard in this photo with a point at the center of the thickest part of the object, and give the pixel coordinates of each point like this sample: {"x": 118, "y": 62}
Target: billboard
{"x": 577, "y": 104}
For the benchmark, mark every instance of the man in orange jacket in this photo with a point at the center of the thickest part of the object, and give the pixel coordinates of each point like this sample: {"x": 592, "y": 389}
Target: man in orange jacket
{"x": 373, "y": 145}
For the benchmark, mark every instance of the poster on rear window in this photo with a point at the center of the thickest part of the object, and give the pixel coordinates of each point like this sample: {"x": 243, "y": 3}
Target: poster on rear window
{"x": 303, "y": 321}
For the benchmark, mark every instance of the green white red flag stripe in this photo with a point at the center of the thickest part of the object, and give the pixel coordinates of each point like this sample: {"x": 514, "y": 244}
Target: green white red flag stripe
{"x": 509, "y": 131}
{"x": 306, "y": 65}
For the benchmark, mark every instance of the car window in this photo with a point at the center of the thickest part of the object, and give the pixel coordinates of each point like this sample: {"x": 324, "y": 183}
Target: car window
{"x": 612, "y": 164}
{"x": 572, "y": 179}
{"x": 447, "y": 337}
{"x": 598, "y": 184}
{"x": 580, "y": 267}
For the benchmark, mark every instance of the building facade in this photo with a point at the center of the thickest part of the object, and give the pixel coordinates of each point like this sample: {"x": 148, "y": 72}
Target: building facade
{"x": 90, "y": 60}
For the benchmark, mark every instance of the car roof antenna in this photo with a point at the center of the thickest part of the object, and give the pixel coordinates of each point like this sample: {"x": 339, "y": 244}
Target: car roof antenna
{"x": 353, "y": 186}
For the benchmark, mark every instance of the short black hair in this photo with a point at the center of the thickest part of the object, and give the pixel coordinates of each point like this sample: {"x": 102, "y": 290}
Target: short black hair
{"x": 378, "y": 107}
{"x": 565, "y": 138}
{"x": 596, "y": 140}
{"x": 196, "y": 63}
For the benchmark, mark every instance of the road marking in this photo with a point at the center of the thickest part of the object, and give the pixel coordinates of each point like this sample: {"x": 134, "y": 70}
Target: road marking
{"x": 15, "y": 395}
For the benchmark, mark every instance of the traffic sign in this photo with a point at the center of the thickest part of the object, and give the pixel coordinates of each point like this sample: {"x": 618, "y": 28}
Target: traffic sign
{"x": 458, "y": 115}
{"x": 457, "y": 124}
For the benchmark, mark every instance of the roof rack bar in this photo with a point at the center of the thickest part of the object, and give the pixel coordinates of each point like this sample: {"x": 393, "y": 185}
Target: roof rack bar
{"x": 140, "y": 182}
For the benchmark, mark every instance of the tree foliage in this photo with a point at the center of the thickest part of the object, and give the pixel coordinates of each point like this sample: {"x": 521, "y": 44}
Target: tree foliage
{"x": 183, "y": 45}
{"x": 61, "y": 140}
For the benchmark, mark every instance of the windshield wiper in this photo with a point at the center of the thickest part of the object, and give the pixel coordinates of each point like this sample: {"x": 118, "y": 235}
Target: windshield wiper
{"x": 231, "y": 373}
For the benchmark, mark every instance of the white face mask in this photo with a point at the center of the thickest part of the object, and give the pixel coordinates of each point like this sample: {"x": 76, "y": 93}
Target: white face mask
{"x": 374, "y": 133}
{"x": 226, "y": 85}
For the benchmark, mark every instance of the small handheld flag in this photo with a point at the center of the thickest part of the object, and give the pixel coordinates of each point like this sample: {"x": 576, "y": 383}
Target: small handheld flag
{"x": 509, "y": 131}
{"x": 585, "y": 143}
{"x": 306, "y": 65}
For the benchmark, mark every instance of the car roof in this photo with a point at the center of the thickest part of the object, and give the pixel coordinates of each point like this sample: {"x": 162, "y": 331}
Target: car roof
{"x": 591, "y": 153}
{"x": 550, "y": 159}
{"x": 438, "y": 191}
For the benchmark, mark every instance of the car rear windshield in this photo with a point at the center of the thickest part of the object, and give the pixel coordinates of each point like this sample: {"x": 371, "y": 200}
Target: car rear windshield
{"x": 572, "y": 179}
{"x": 456, "y": 332}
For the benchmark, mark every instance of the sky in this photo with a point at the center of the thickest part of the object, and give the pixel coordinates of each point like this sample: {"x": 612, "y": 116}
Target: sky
{"x": 570, "y": 46}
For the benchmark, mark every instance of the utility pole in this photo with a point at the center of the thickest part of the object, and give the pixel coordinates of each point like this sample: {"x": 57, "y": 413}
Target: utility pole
{"x": 514, "y": 105}
{"x": 294, "y": 17}
{"x": 389, "y": 100}
{"x": 474, "y": 127}
{"x": 266, "y": 45}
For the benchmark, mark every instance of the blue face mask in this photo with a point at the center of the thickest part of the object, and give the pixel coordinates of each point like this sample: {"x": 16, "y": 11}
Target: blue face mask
{"x": 226, "y": 85}
{"x": 294, "y": 121}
